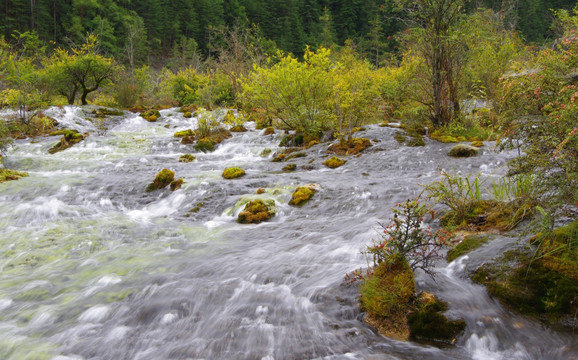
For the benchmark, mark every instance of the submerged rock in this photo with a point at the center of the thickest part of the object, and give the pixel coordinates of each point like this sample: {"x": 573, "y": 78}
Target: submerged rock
{"x": 429, "y": 324}
{"x": 187, "y": 158}
{"x": 8, "y": 175}
{"x": 462, "y": 150}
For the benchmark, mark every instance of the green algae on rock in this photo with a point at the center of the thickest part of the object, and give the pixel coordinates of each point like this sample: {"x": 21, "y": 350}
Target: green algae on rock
{"x": 151, "y": 115}
{"x": 289, "y": 167}
{"x": 233, "y": 172}
{"x": 334, "y": 162}
{"x": 255, "y": 211}
{"x": 9, "y": 175}
{"x": 163, "y": 179}
{"x": 176, "y": 184}
{"x": 69, "y": 138}
{"x": 349, "y": 147}
{"x": 187, "y": 158}
{"x": 184, "y": 133}
{"x": 302, "y": 194}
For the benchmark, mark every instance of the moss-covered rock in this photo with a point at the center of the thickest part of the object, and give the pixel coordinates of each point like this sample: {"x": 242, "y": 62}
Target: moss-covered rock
{"x": 429, "y": 324}
{"x": 334, "y": 162}
{"x": 279, "y": 157}
{"x": 69, "y": 138}
{"x": 187, "y": 114}
{"x": 386, "y": 297}
{"x": 187, "y": 158}
{"x": 205, "y": 145}
{"x": 184, "y": 133}
{"x": 290, "y": 167}
{"x": 260, "y": 191}
{"x": 187, "y": 140}
{"x": 255, "y": 212}
{"x": 349, "y": 147}
{"x": 302, "y": 194}
{"x": 265, "y": 152}
{"x": 164, "y": 178}
{"x": 238, "y": 128}
{"x": 233, "y": 172}
{"x": 269, "y": 131}
{"x": 9, "y": 175}
{"x": 292, "y": 140}
{"x": 176, "y": 184}
{"x": 469, "y": 243}
{"x": 463, "y": 150}
{"x": 151, "y": 115}
{"x": 477, "y": 143}
{"x": 415, "y": 139}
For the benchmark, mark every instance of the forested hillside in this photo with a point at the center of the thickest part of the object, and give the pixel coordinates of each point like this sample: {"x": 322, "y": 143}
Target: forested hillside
{"x": 156, "y": 27}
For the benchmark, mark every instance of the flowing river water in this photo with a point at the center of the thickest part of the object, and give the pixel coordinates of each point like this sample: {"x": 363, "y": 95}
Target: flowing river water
{"x": 94, "y": 267}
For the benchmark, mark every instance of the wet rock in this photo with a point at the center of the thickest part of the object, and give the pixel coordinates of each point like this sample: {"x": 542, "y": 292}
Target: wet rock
{"x": 151, "y": 115}
{"x": 462, "y": 150}
{"x": 302, "y": 194}
{"x": 163, "y": 179}
{"x": 233, "y": 172}
{"x": 334, "y": 162}
{"x": 429, "y": 324}
{"x": 187, "y": 158}
{"x": 69, "y": 138}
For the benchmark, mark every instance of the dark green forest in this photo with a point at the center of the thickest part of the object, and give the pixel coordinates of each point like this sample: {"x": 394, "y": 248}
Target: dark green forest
{"x": 160, "y": 27}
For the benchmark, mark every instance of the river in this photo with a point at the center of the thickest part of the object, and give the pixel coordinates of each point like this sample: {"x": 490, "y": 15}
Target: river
{"x": 94, "y": 267}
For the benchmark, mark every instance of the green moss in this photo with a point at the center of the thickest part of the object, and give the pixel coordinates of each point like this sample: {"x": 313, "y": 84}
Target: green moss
{"x": 255, "y": 211}
{"x": 291, "y": 140}
{"x": 477, "y": 143}
{"x": 265, "y": 152}
{"x": 466, "y": 245}
{"x": 184, "y": 133}
{"x": 102, "y": 112}
{"x": 334, "y": 162}
{"x": 238, "y": 128}
{"x": 349, "y": 147}
{"x": 295, "y": 155}
{"x": 415, "y": 140}
{"x": 233, "y": 172}
{"x": 389, "y": 290}
{"x": 69, "y": 138}
{"x": 462, "y": 150}
{"x": 290, "y": 167}
{"x": 399, "y": 137}
{"x": 176, "y": 184}
{"x": 301, "y": 195}
{"x": 164, "y": 178}
{"x": 151, "y": 115}
{"x": 543, "y": 286}
{"x": 187, "y": 114}
{"x": 269, "y": 131}
{"x": 205, "y": 145}
{"x": 8, "y": 175}
{"x": 428, "y": 323}
{"x": 187, "y": 158}
{"x": 279, "y": 158}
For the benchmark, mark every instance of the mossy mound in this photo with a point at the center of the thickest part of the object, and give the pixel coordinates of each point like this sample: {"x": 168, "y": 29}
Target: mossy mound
{"x": 334, "y": 162}
{"x": 69, "y": 138}
{"x": 349, "y": 147}
{"x": 265, "y": 152}
{"x": 163, "y": 179}
{"x": 255, "y": 212}
{"x": 9, "y": 175}
{"x": 103, "y": 112}
{"x": 279, "y": 157}
{"x": 387, "y": 296}
{"x": 187, "y": 114}
{"x": 187, "y": 158}
{"x": 238, "y": 128}
{"x": 184, "y": 133}
{"x": 302, "y": 194}
{"x": 189, "y": 108}
{"x": 187, "y": 140}
{"x": 290, "y": 167}
{"x": 176, "y": 184}
{"x": 446, "y": 139}
{"x": 151, "y": 115}
{"x": 233, "y": 172}
{"x": 468, "y": 244}
{"x": 295, "y": 156}
{"x": 269, "y": 131}
{"x": 429, "y": 324}
{"x": 205, "y": 145}
{"x": 477, "y": 143}
{"x": 462, "y": 150}
{"x": 292, "y": 140}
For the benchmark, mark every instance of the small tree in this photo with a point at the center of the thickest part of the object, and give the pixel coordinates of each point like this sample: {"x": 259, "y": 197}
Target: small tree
{"x": 80, "y": 71}
{"x": 405, "y": 237}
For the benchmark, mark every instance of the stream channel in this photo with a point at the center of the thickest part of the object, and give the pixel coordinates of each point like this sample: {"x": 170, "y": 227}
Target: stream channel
{"x": 94, "y": 267}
